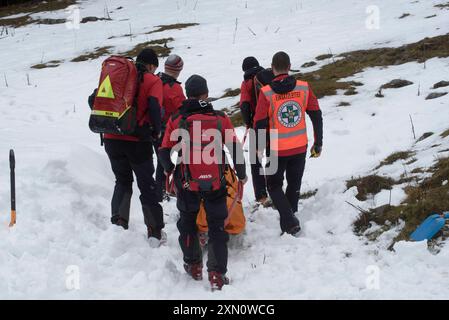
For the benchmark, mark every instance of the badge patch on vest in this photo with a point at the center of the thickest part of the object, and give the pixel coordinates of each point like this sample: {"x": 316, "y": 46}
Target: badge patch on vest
{"x": 289, "y": 114}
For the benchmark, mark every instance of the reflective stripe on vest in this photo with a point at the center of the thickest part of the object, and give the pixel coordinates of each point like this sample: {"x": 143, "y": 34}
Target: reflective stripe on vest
{"x": 287, "y": 117}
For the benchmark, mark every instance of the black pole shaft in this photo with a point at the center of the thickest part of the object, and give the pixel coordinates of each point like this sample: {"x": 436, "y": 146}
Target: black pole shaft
{"x": 12, "y": 166}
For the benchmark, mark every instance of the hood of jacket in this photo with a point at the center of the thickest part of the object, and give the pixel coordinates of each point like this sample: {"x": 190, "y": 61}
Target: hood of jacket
{"x": 168, "y": 79}
{"x": 249, "y": 74}
{"x": 283, "y": 85}
{"x": 190, "y": 106}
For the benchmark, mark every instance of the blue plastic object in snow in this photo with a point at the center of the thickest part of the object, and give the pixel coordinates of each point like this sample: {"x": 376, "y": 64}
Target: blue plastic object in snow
{"x": 430, "y": 227}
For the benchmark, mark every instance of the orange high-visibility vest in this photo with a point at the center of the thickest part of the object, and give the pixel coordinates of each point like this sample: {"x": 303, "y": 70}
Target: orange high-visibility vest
{"x": 287, "y": 117}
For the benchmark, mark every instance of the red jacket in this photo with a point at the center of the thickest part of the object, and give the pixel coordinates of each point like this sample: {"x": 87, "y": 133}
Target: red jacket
{"x": 150, "y": 87}
{"x": 173, "y": 97}
{"x": 261, "y": 116}
{"x": 247, "y": 94}
{"x": 230, "y": 139}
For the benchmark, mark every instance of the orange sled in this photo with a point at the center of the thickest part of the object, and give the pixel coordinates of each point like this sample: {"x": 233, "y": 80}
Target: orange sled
{"x": 235, "y": 223}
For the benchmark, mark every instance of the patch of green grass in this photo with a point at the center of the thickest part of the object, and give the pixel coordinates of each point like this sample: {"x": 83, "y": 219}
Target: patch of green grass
{"x": 370, "y": 185}
{"x": 326, "y": 80}
{"x": 402, "y": 155}
{"x": 431, "y": 195}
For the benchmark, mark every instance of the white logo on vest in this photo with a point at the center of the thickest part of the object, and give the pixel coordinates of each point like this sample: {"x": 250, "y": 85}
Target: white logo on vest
{"x": 289, "y": 114}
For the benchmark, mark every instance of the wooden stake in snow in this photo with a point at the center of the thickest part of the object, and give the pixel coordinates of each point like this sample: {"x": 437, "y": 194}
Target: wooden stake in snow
{"x": 12, "y": 167}
{"x": 250, "y": 30}
{"x": 413, "y": 127}
{"x": 28, "y": 79}
{"x": 6, "y": 81}
{"x": 235, "y": 31}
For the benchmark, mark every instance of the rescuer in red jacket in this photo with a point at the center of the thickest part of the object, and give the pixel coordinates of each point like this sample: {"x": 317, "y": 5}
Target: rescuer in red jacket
{"x": 173, "y": 98}
{"x": 134, "y": 154}
{"x": 281, "y": 110}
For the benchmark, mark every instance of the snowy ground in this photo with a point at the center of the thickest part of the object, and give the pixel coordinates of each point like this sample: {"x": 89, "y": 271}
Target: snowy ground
{"x": 64, "y": 182}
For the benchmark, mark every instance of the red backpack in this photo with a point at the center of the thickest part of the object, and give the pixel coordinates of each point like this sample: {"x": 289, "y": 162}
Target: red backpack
{"x": 115, "y": 106}
{"x": 199, "y": 174}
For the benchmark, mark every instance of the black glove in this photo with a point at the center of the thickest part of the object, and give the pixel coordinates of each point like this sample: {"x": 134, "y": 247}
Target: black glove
{"x": 315, "y": 151}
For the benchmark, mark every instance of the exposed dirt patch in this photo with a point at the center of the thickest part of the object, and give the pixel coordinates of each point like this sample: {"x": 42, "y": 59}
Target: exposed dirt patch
{"x": 309, "y": 64}
{"x": 425, "y": 136}
{"x": 160, "y": 46}
{"x": 435, "y": 95}
{"x": 324, "y": 56}
{"x": 237, "y": 119}
{"x": 442, "y": 5}
{"x": 97, "y": 53}
{"x": 49, "y": 64}
{"x": 343, "y": 104}
{"x": 431, "y": 195}
{"x": 445, "y": 134}
{"x": 308, "y": 194}
{"x": 441, "y": 84}
{"x": 326, "y": 80}
{"x": 176, "y": 26}
{"x": 404, "y": 15}
{"x": 94, "y": 19}
{"x": 402, "y": 155}
{"x": 230, "y": 93}
{"x": 396, "y": 83}
{"x": 370, "y": 185}
{"x": 29, "y": 8}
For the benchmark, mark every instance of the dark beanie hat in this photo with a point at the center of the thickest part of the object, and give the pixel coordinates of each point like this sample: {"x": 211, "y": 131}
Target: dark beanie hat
{"x": 196, "y": 86}
{"x": 148, "y": 56}
{"x": 249, "y": 63}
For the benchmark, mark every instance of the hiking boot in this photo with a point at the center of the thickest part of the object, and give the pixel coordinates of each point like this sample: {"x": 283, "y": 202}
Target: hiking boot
{"x": 217, "y": 280}
{"x": 295, "y": 231}
{"x": 119, "y": 221}
{"x": 195, "y": 270}
{"x": 265, "y": 202}
{"x": 156, "y": 237}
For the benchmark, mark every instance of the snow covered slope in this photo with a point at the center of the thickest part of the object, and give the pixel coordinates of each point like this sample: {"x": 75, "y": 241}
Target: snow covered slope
{"x": 64, "y": 182}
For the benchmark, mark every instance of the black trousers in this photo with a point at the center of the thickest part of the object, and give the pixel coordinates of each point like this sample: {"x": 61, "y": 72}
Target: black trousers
{"x": 259, "y": 183}
{"x": 188, "y": 204}
{"x": 127, "y": 157}
{"x": 160, "y": 175}
{"x": 287, "y": 203}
